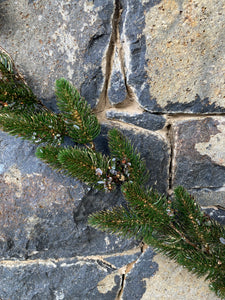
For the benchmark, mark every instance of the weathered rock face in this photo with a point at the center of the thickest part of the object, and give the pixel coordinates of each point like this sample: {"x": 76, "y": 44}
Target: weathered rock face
{"x": 174, "y": 54}
{"x": 155, "y": 70}
{"x": 58, "y": 39}
{"x": 44, "y": 214}
{"x": 199, "y": 158}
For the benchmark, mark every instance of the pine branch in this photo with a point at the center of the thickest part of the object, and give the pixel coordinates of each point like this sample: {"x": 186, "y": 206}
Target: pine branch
{"x": 193, "y": 222}
{"x": 14, "y": 92}
{"x": 178, "y": 229}
{"x": 118, "y": 220}
{"x": 82, "y": 124}
{"x": 148, "y": 205}
{"x": 121, "y": 148}
{"x": 16, "y": 96}
{"x": 6, "y": 61}
{"x": 86, "y": 165}
{"x": 49, "y": 154}
{"x": 43, "y": 127}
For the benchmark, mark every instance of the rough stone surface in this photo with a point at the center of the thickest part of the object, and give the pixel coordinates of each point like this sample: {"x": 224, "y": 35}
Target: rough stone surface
{"x": 133, "y": 41}
{"x": 52, "y": 279}
{"x": 117, "y": 88}
{"x": 175, "y": 54}
{"x": 69, "y": 39}
{"x": 199, "y": 157}
{"x": 144, "y": 120}
{"x": 143, "y": 268}
{"x": 209, "y": 196}
{"x": 44, "y": 214}
{"x": 172, "y": 281}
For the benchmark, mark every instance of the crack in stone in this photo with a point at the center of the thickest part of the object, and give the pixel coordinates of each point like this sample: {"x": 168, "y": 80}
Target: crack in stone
{"x": 169, "y": 135}
{"x": 103, "y": 100}
{"x": 114, "y": 43}
{"x": 128, "y": 268}
{"x": 120, "y": 292}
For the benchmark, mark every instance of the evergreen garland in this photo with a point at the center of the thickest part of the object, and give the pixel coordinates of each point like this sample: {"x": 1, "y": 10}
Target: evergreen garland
{"x": 175, "y": 226}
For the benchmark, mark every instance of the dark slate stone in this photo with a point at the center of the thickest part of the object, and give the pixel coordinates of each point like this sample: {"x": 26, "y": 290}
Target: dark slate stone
{"x": 209, "y": 196}
{"x": 153, "y": 149}
{"x": 42, "y": 212}
{"x": 117, "y": 90}
{"x": 91, "y": 240}
{"x": 193, "y": 170}
{"x": 198, "y": 105}
{"x": 70, "y": 279}
{"x": 135, "y": 286}
{"x": 145, "y": 120}
{"x": 122, "y": 260}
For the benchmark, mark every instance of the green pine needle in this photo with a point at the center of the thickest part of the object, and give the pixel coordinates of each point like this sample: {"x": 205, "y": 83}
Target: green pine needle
{"x": 49, "y": 154}
{"x": 6, "y": 62}
{"x": 82, "y": 124}
{"x": 85, "y": 164}
{"x": 149, "y": 205}
{"x": 14, "y": 93}
{"x": 43, "y": 127}
{"x": 121, "y": 148}
{"x": 117, "y": 220}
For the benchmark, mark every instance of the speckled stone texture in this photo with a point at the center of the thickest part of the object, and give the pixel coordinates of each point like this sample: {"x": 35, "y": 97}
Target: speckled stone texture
{"x": 56, "y": 280}
{"x": 144, "y": 120}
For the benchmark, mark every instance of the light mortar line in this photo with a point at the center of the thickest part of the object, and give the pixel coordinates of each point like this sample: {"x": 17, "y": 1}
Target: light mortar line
{"x": 52, "y": 261}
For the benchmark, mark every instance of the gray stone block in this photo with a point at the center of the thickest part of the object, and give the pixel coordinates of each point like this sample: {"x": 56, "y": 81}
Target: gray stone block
{"x": 135, "y": 286}
{"x": 117, "y": 89}
{"x": 69, "y": 279}
{"x": 43, "y": 213}
{"x": 144, "y": 120}
{"x": 199, "y": 157}
{"x": 174, "y": 53}
{"x": 58, "y": 39}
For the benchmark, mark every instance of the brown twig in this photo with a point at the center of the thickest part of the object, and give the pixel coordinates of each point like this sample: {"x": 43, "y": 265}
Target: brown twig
{"x": 184, "y": 237}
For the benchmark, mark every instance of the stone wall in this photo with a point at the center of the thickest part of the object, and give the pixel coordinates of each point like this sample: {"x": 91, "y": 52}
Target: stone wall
{"x": 155, "y": 70}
